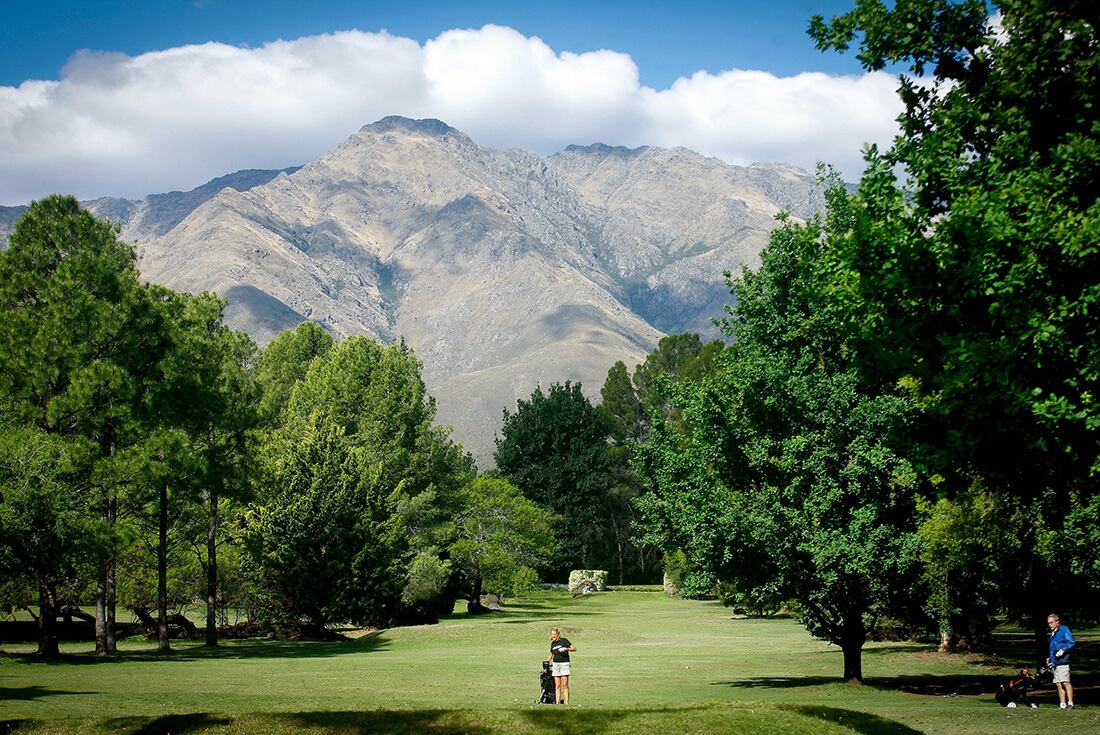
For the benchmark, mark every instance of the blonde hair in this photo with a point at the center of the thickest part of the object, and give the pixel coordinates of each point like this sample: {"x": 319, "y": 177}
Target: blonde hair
{"x": 555, "y": 630}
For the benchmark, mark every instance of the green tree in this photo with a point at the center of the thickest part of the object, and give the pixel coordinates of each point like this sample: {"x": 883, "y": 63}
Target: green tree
{"x": 500, "y": 537}
{"x": 210, "y": 393}
{"x": 321, "y": 538}
{"x": 160, "y": 471}
{"x": 283, "y": 363}
{"x": 677, "y": 357}
{"x": 193, "y": 455}
{"x": 80, "y": 338}
{"x": 780, "y": 474}
{"x": 619, "y": 403}
{"x": 631, "y": 402}
{"x": 47, "y": 536}
{"x": 630, "y": 405}
{"x": 977, "y": 272}
{"x": 377, "y": 395}
{"x": 973, "y": 548}
{"x": 554, "y": 449}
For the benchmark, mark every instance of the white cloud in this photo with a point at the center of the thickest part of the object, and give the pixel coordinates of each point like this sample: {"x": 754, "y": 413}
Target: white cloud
{"x": 172, "y": 119}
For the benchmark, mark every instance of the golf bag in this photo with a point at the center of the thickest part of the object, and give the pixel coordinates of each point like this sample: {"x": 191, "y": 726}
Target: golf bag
{"x": 546, "y": 681}
{"x": 1013, "y": 693}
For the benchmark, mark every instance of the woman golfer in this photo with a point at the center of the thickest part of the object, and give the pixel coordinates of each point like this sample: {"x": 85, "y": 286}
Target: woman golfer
{"x": 559, "y": 666}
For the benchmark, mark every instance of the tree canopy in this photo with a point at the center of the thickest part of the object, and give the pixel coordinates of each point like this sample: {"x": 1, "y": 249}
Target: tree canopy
{"x": 780, "y": 474}
{"x": 554, "y": 449}
{"x": 924, "y": 359}
{"x": 975, "y": 274}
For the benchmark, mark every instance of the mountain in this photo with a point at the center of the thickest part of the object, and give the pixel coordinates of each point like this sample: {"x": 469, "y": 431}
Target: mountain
{"x": 156, "y": 214}
{"x": 500, "y": 268}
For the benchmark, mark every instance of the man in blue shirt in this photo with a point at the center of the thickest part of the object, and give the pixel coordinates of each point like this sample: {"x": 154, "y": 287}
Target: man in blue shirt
{"x": 1061, "y": 640}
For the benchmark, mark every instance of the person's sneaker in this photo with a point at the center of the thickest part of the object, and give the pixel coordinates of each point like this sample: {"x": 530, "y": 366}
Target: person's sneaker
{"x": 1069, "y": 706}
{"x": 1062, "y": 705}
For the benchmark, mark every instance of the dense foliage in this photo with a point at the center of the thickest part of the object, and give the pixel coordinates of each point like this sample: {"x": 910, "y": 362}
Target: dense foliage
{"x": 321, "y": 538}
{"x": 80, "y": 341}
{"x": 912, "y": 383}
{"x": 152, "y": 457}
{"x": 779, "y": 475}
{"x": 553, "y": 448}
{"x": 975, "y": 276}
{"x": 500, "y": 538}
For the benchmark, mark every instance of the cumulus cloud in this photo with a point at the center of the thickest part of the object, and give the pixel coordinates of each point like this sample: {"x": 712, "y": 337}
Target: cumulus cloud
{"x": 128, "y": 126}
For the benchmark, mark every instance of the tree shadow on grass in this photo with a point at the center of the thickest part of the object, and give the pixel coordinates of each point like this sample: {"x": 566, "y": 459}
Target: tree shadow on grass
{"x": 1086, "y": 688}
{"x": 249, "y": 649}
{"x": 861, "y": 722}
{"x": 777, "y": 682}
{"x": 507, "y": 616}
{"x": 587, "y": 722}
{"x": 524, "y": 612}
{"x": 554, "y": 613}
{"x": 31, "y": 693}
{"x": 897, "y": 648}
{"x": 530, "y": 608}
{"x": 166, "y": 725}
{"x": 387, "y": 722}
{"x": 927, "y": 685}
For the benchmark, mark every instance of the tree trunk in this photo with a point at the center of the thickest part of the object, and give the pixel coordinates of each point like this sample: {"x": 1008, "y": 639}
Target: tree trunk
{"x": 618, "y": 545}
{"x": 949, "y": 641}
{"x": 212, "y": 573}
{"x": 112, "y": 586}
{"x": 162, "y": 572}
{"x": 853, "y": 662}
{"x": 854, "y": 635}
{"x": 1042, "y": 636}
{"x": 112, "y": 604}
{"x": 47, "y": 623}
{"x": 473, "y": 605}
{"x": 101, "y": 647}
{"x": 1037, "y": 592}
{"x": 71, "y": 611}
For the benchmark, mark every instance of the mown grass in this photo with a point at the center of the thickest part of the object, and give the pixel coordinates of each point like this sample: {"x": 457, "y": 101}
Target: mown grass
{"x": 645, "y": 662}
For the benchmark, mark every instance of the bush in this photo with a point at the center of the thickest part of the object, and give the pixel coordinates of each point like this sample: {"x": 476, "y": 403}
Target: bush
{"x": 682, "y": 580}
{"x": 428, "y": 579}
{"x": 521, "y": 581}
{"x": 756, "y": 603}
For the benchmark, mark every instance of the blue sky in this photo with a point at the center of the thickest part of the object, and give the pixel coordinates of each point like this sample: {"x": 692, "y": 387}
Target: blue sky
{"x": 125, "y": 99}
{"x": 666, "y": 40}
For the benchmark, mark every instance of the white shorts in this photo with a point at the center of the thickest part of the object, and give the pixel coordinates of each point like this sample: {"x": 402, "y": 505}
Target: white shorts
{"x": 562, "y": 669}
{"x": 1061, "y": 674}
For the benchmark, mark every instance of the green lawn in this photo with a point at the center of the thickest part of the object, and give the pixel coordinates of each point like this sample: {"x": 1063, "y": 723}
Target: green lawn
{"x": 645, "y": 662}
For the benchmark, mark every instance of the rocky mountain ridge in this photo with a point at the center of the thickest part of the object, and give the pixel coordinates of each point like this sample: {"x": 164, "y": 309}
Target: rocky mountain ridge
{"x": 500, "y": 268}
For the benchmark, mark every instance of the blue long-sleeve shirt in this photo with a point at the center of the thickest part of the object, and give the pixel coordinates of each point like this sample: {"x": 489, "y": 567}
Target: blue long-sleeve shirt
{"x": 1061, "y": 640}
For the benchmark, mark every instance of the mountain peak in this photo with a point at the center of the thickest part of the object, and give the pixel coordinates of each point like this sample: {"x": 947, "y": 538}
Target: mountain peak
{"x": 602, "y": 149}
{"x": 429, "y": 126}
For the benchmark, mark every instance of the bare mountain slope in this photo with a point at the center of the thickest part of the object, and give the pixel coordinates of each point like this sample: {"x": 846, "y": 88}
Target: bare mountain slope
{"x": 668, "y": 222}
{"x": 500, "y": 269}
{"x": 156, "y": 214}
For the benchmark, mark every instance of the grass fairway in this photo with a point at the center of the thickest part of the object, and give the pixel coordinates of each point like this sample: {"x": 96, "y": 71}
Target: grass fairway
{"x": 645, "y": 662}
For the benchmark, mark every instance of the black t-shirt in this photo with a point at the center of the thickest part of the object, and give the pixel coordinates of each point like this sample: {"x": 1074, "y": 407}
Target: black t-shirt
{"x": 562, "y": 656}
